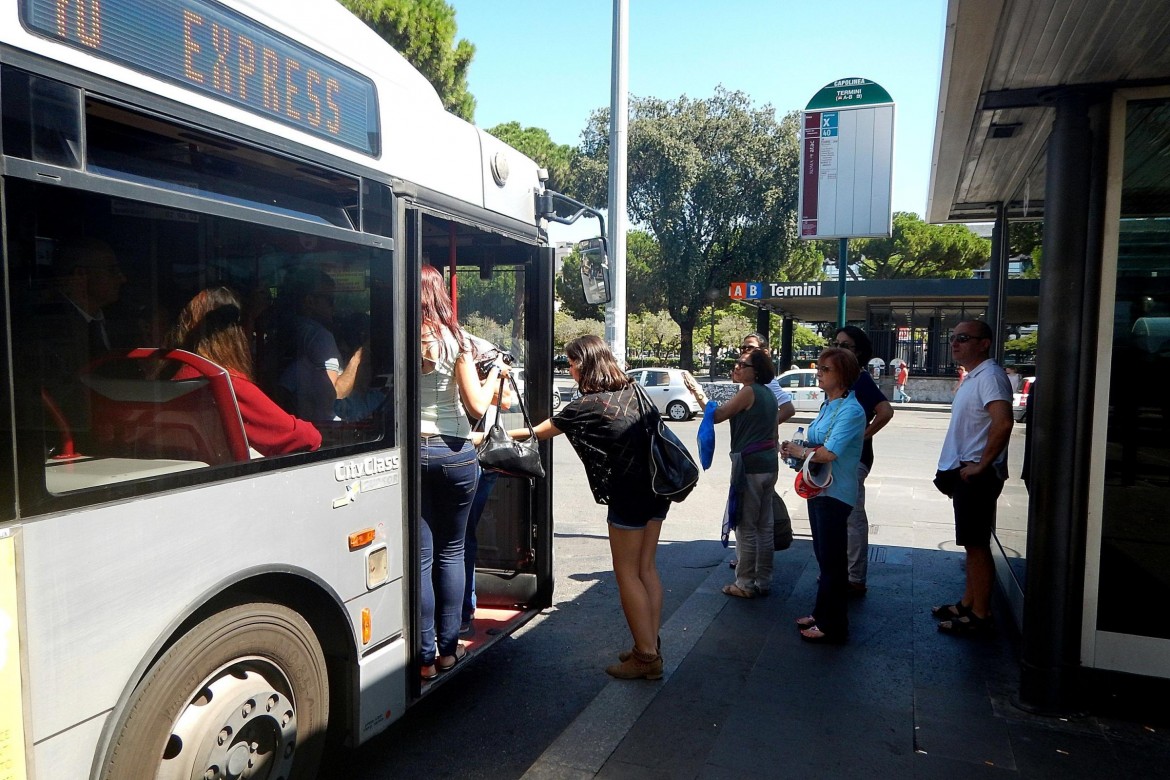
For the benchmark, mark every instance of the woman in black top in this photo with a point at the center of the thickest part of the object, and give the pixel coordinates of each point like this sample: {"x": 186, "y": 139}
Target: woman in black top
{"x": 878, "y": 412}
{"x": 608, "y": 433}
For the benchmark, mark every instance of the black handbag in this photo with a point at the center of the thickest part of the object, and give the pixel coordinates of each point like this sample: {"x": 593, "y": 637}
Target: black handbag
{"x": 781, "y": 524}
{"x": 673, "y": 472}
{"x": 500, "y": 452}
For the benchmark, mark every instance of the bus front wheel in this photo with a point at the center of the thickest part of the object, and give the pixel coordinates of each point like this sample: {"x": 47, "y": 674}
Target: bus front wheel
{"x": 244, "y": 693}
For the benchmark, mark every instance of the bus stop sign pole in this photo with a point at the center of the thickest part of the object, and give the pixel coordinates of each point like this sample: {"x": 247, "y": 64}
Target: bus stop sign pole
{"x": 842, "y": 267}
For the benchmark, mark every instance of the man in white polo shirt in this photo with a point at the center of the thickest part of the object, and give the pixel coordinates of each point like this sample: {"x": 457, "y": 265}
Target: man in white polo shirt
{"x": 972, "y": 469}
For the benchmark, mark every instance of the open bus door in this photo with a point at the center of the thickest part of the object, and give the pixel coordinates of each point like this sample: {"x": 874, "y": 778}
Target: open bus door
{"x": 504, "y": 295}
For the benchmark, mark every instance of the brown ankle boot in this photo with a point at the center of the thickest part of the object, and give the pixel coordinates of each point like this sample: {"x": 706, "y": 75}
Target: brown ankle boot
{"x": 638, "y": 666}
{"x": 625, "y": 654}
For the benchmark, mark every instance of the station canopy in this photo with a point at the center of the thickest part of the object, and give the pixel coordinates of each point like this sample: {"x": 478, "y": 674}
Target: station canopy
{"x": 1002, "y": 62}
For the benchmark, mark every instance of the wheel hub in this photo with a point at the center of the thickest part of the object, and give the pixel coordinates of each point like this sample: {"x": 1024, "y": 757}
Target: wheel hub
{"x": 239, "y": 727}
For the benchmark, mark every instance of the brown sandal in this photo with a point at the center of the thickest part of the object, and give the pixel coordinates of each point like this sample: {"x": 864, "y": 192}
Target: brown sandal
{"x": 738, "y": 592}
{"x": 447, "y": 662}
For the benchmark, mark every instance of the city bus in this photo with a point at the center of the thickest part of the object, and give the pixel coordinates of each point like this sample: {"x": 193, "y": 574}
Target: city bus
{"x": 175, "y": 601}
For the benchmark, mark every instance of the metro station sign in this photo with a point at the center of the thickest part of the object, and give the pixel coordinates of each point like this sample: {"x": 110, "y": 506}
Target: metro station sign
{"x": 754, "y": 291}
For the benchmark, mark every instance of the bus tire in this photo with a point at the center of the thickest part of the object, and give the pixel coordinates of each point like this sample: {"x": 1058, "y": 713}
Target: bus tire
{"x": 244, "y": 692}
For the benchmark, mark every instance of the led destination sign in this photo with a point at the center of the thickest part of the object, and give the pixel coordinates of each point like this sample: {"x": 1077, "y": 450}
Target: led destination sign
{"x": 204, "y": 46}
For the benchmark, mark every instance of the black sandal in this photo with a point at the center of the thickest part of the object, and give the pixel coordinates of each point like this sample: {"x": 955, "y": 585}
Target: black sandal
{"x": 968, "y": 625}
{"x": 950, "y": 611}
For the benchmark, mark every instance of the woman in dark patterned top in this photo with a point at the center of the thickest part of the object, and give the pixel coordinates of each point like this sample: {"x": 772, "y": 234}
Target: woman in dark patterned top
{"x": 608, "y": 433}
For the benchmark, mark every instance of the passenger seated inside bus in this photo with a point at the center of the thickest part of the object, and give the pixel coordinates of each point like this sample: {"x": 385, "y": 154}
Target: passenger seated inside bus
{"x": 209, "y": 325}
{"x": 311, "y": 378}
{"x": 72, "y": 325}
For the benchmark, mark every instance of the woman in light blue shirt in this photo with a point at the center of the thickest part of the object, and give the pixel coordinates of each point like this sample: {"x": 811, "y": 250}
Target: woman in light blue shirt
{"x": 835, "y": 437}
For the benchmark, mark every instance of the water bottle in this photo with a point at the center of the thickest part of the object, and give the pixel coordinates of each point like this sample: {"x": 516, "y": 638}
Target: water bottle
{"x": 794, "y": 462}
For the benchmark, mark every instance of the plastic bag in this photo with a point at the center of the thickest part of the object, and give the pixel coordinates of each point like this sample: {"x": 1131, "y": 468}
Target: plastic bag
{"x": 706, "y": 436}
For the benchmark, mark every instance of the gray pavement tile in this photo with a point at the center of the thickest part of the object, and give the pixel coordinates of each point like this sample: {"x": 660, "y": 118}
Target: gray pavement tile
{"x": 931, "y": 767}
{"x": 673, "y": 736}
{"x": 947, "y": 703}
{"x": 807, "y": 749}
{"x": 618, "y": 770}
{"x": 549, "y": 771}
{"x": 1138, "y": 759}
{"x": 933, "y": 566}
{"x": 962, "y": 723}
{"x": 1048, "y": 753}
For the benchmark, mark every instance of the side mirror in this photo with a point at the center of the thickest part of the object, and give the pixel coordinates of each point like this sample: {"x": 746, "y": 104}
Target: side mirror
{"x": 594, "y": 270}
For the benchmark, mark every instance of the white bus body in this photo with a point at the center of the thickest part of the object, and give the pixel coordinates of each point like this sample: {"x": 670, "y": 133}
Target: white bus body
{"x": 144, "y": 577}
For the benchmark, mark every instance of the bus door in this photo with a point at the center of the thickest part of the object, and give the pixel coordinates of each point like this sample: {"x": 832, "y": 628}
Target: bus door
{"x": 503, "y": 295}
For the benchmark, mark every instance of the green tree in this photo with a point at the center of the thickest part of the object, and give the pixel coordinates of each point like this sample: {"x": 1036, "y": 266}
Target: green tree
{"x": 535, "y": 142}
{"x": 917, "y": 250}
{"x": 567, "y": 287}
{"x": 805, "y": 338}
{"x": 487, "y": 328}
{"x": 643, "y": 283}
{"x": 1025, "y": 345}
{"x": 715, "y": 182}
{"x": 566, "y": 328}
{"x": 643, "y": 277}
{"x": 1027, "y": 238}
{"x": 652, "y": 331}
{"x": 494, "y": 298}
{"x": 423, "y": 31}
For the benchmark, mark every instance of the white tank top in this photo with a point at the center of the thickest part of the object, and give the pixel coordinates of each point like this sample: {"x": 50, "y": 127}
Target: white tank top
{"x": 442, "y": 409}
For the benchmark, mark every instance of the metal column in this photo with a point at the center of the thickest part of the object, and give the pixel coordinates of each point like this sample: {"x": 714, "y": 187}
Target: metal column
{"x": 996, "y": 290}
{"x": 1061, "y": 419}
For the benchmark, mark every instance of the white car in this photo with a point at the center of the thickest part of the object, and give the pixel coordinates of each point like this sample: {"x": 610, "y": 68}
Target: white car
{"x": 667, "y": 387}
{"x": 1020, "y": 399}
{"x": 801, "y": 383}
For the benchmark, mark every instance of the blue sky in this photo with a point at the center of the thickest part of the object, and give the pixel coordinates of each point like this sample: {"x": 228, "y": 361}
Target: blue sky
{"x": 547, "y": 64}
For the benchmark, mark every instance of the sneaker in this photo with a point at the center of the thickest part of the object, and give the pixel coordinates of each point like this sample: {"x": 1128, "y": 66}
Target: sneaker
{"x": 637, "y": 667}
{"x": 465, "y": 628}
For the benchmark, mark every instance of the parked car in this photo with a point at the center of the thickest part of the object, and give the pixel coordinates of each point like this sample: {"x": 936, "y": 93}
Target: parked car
{"x": 1020, "y": 399}
{"x": 802, "y": 384}
{"x": 667, "y": 387}
{"x": 563, "y": 394}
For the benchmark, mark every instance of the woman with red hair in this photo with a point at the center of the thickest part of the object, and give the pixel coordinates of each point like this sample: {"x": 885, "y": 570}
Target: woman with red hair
{"x": 449, "y": 389}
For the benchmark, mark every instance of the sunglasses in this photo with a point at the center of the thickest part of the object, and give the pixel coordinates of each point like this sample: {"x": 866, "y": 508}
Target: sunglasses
{"x": 843, "y": 344}
{"x": 963, "y": 338}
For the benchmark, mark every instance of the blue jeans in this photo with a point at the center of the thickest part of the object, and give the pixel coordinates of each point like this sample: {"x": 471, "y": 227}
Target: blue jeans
{"x": 829, "y": 519}
{"x": 483, "y": 491}
{"x": 449, "y": 473}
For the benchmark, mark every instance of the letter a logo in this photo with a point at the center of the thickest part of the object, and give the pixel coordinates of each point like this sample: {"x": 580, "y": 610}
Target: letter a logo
{"x": 738, "y": 291}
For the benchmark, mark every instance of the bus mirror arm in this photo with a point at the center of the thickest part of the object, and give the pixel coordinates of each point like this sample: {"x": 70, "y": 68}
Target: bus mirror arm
{"x": 546, "y": 207}
{"x": 595, "y": 272}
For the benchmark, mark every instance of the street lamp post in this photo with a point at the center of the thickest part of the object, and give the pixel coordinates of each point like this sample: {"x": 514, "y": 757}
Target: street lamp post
{"x": 712, "y": 295}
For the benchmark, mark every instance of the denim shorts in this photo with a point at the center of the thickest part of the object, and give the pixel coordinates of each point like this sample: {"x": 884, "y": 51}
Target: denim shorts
{"x": 633, "y": 517}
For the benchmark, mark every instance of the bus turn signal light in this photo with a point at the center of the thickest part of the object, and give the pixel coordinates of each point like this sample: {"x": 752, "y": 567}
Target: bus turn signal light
{"x": 359, "y": 539}
{"x": 367, "y": 631}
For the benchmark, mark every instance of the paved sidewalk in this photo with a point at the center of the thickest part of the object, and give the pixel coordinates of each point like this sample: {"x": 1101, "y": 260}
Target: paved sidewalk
{"x": 744, "y": 697}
